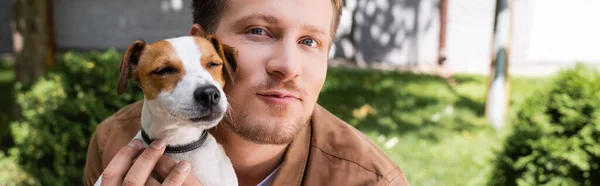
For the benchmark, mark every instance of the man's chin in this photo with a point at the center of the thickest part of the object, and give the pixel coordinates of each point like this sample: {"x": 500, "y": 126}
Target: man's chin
{"x": 266, "y": 131}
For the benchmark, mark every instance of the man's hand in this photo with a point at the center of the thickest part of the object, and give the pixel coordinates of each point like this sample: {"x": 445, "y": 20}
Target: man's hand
{"x": 165, "y": 167}
{"x": 124, "y": 170}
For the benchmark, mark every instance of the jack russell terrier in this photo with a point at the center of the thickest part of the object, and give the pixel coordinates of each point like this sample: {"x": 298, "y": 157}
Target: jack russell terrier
{"x": 182, "y": 80}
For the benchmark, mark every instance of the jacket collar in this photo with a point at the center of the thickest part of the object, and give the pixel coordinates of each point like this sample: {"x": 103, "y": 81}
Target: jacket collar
{"x": 295, "y": 160}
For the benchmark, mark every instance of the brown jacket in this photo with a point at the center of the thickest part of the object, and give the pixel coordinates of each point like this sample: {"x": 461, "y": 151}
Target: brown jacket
{"x": 326, "y": 152}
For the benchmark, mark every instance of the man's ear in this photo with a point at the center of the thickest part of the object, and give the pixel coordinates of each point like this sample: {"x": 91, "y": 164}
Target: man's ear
{"x": 129, "y": 63}
{"x": 229, "y": 56}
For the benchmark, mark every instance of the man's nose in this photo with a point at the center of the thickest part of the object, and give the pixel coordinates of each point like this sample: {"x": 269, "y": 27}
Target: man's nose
{"x": 286, "y": 62}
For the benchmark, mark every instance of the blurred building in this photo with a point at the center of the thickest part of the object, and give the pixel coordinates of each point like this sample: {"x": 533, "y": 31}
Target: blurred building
{"x": 547, "y": 34}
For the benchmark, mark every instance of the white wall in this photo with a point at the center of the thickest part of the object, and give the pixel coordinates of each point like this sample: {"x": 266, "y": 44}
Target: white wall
{"x": 564, "y": 31}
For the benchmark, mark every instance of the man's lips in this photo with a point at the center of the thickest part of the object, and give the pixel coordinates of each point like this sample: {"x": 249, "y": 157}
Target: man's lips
{"x": 280, "y": 94}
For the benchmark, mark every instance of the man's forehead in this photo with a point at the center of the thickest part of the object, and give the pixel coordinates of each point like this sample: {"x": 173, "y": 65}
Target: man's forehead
{"x": 313, "y": 15}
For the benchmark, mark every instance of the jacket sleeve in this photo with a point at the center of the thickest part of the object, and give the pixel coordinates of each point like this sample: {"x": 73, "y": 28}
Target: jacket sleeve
{"x": 396, "y": 178}
{"x": 93, "y": 163}
{"x": 399, "y": 180}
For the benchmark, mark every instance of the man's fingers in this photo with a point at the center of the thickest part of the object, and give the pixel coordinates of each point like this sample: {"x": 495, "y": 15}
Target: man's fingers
{"x": 152, "y": 182}
{"x": 118, "y": 166}
{"x": 178, "y": 175}
{"x": 141, "y": 169}
{"x": 164, "y": 166}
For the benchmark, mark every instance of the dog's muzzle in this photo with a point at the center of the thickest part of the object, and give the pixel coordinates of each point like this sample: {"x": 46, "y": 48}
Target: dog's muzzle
{"x": 208, "y": 96}
{"x": 207, "y": 100}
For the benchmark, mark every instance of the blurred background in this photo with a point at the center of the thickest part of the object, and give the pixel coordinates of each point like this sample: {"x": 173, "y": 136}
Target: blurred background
{"x": 457, "y": 92}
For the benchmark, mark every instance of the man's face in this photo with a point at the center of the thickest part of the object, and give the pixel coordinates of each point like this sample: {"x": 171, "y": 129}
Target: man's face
{"x": 283, "y": 51}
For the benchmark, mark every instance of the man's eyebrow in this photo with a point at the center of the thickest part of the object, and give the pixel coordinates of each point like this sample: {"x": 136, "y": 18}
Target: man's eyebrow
{"x": 317, "y": 30}
{"x": 266, "y": 17}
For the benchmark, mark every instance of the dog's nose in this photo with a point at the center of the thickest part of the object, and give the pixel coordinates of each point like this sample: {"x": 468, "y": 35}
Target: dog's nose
{"x": 207, "y": 95}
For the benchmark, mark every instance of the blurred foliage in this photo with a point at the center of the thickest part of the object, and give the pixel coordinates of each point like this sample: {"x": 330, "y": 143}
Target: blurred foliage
{"x": 11, "y": 173}
{"x": 61, "y": 110}
{"x": 7, "y": 81}
{"x": 555, "y": 137}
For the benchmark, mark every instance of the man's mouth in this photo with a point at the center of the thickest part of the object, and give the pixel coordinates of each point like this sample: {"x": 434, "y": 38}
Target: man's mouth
{"x": 280, "y": 94}
{"x": 279, "y": 97}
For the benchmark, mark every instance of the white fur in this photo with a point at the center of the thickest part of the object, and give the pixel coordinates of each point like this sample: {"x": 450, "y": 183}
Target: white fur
{"x": 167, "y": 117}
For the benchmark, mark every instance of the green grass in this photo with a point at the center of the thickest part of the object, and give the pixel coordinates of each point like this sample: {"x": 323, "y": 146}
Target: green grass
{"x": 436, "y": 133}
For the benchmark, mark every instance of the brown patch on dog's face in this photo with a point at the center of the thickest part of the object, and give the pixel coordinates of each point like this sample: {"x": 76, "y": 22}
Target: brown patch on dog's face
{"x": 160, "y": 69}
{"x": 210, "y": 60}
{"x": 157, "y": 70}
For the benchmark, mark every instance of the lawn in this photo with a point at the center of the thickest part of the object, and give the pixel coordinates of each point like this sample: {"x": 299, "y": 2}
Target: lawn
{"x": 435, "y": 132}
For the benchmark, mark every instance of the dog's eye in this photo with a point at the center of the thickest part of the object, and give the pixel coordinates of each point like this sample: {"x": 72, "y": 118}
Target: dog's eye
{"x": 214, "y": 64}
{"x": 164, "y": 71}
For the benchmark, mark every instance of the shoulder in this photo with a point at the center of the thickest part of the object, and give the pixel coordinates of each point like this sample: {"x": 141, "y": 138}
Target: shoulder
{"x": 342, "y": 145}
{"x": 108, "y": 137}
{"x": 121, "y": 121}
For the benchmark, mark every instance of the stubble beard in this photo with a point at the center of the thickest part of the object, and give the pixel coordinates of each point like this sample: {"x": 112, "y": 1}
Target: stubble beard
{"x": 269, "y": 131}
{"x": 261, "y": 131}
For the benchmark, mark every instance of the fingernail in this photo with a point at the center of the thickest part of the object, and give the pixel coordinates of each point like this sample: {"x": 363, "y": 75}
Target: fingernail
{"x": 183, "y": 167}
{"x": 135, "y": 143}
{"x": 157, "y": 144}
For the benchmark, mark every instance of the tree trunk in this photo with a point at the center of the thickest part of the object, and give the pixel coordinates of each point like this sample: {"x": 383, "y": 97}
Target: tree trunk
{"x": 33, "y": 36}
{"x": 442, "y": 39}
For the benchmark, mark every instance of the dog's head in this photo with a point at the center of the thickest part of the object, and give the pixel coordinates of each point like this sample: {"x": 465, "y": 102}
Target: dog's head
{"x": 182, "y": 78}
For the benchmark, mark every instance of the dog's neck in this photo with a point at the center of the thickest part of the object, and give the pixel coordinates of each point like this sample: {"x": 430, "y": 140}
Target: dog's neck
{"x": 158, "y": 124}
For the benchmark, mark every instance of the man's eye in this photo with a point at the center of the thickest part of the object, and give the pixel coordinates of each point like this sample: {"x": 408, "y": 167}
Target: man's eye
{"x": 257, "y": 31}
{"x": 309, "y": 42}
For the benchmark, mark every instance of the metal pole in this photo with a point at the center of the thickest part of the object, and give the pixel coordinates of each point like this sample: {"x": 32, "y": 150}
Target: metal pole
{"x": 498, "y": 90}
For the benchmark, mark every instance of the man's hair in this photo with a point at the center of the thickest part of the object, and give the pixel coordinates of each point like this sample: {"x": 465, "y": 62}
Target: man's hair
{"x": 207, "y": 13}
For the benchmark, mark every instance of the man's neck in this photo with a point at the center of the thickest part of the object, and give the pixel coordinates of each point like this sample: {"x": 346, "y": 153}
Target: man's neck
{"x": 252, "y": 162}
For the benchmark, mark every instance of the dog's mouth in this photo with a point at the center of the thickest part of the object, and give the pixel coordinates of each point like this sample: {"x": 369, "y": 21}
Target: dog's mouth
{"x": 203, "y": 118}
{"x": 197, "y": 114}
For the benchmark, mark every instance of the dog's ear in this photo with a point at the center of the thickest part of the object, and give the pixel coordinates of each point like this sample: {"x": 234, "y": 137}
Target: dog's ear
{"x": 231, "y": 66}
{"x": 229, "y": 56}
{"x": 129, "y": 62}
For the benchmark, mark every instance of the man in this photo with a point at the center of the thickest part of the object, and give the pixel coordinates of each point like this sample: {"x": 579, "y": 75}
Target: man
{"x": 275, "y": 132}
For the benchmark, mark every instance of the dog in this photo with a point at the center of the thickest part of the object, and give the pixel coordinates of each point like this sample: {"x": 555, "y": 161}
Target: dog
{"x": 182, "y": 80}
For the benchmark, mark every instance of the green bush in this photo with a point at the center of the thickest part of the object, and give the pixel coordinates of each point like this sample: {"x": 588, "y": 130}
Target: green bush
{"x": 61, "y": 110}
{"x": 555, "y": 137}
{"x": 7, "y": 82}
{"x": 11, "y": 173}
